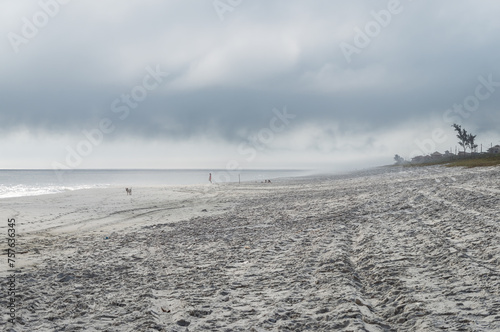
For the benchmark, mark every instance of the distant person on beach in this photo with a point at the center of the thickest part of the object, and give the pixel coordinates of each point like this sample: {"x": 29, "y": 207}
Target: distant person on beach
{"x": 210, "y": 177}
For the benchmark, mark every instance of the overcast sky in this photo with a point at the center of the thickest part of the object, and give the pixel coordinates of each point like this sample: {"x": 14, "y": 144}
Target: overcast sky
{"x": 254, "y": 84}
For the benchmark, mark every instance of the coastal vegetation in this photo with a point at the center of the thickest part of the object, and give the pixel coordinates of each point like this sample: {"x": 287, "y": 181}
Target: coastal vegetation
{"x": 479, "y": 160}
{"x": 461, "y": 159}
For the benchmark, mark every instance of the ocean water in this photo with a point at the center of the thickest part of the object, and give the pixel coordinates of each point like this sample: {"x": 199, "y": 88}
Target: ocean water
{"x": 17, "y": 183}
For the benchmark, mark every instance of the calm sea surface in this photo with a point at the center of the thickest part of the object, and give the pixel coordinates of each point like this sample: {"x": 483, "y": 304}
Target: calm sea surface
{"x": 17, "y": 183}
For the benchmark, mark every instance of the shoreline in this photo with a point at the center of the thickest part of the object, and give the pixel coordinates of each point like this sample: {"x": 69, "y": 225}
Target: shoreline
{"x": 149, "y": 179}
{"x": 412, "y": 249}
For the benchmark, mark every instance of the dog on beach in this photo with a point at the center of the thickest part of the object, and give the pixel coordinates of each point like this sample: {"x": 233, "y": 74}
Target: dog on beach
{"x": 129, "y": 191}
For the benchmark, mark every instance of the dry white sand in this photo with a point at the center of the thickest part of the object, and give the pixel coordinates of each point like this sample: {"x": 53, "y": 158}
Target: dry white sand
{"x": 384, "y": 250}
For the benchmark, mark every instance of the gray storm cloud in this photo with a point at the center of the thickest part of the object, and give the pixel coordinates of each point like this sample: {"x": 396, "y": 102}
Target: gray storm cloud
{"x": 226, "y": 76}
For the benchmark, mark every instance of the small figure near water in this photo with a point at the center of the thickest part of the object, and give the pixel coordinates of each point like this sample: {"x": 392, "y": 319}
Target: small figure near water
{"x": 129, "y": 191}
{"x": 210, "y": 177}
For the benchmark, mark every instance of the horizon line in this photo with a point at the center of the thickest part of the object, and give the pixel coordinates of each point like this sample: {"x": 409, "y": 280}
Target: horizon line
{"x": 154, "y": 169}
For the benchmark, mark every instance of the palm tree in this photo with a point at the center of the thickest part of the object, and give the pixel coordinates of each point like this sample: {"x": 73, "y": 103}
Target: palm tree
{"x": 470, "y": 142}
{"x": 462, "y": 136}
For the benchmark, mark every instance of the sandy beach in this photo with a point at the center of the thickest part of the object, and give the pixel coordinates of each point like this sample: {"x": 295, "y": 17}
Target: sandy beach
{"x": 390, "y": 249}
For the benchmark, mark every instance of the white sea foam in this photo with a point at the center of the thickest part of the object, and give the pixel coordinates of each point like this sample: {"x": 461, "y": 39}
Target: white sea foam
{"x": 27, "y": 190}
